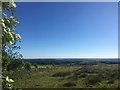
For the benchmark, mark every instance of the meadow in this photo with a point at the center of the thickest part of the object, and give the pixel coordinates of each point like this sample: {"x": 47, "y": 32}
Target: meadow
{"x": 78, "y": 74}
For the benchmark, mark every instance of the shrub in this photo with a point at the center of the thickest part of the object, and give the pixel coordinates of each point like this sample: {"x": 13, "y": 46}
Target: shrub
{"x": 93, "y": 79}
{"x": 110, "y": 81}
{"x": 73, "y": 78}
{"x": 28, "y": 66}
{"x": 61, "y": 74}
{"x": 82, "y": 75}
{"x": 69, "y": 84}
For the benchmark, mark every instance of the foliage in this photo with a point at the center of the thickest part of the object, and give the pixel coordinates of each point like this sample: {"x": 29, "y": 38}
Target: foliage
{"x": 35, "y": 65}
{"x": 42, "y": 78}
{"x": 73, "y": 78}
{"x": 15, "y": 65}
{"x": 8, "y": 83}
{"x": 27, "y": 66}
{"x": 69, "y": 84}
{"x": 61, "y": 74}
{"x": 93, "y": 79}
{"x": 11, "y": 58}
{"x": 10, "y": 37}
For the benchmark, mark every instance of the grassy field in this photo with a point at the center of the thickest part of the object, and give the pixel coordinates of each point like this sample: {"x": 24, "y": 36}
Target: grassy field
{"x": 99, "y": 75}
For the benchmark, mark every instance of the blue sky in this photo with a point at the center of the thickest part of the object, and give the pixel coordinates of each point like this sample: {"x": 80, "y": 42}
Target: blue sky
{"x": 68, "y": 30}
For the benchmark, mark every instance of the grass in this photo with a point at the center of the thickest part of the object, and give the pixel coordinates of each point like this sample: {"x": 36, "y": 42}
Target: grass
{"x": 62, "y": 76}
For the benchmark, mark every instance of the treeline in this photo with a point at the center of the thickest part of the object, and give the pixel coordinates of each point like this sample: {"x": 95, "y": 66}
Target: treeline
{"x": 71, "y": 62}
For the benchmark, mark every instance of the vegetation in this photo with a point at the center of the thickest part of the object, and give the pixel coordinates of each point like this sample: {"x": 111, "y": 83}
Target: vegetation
{"x": 69, "y": 84}
{"x": 12, "y": 60}
{"x": 51, "y": 74}
{"x": 10, "y": 37}
{"x": 98, "y": 75}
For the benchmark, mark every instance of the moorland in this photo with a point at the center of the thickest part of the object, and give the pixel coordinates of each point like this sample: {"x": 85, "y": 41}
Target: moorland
{"x": 67, "y": 73}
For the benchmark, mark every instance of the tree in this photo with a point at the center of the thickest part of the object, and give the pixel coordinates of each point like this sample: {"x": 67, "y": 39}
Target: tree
{"x": 10, "y": 37}
{"x": 28, "y": 66}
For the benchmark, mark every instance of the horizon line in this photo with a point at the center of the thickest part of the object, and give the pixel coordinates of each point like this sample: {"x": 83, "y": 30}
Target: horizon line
{"x": 74, "y": 58}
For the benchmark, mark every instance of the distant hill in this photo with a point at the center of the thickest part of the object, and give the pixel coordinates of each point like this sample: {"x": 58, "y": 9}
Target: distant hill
{"x": 112, "y": 60}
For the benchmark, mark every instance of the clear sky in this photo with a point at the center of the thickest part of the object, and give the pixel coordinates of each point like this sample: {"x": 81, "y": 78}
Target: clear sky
{"x": 68, "y": 30}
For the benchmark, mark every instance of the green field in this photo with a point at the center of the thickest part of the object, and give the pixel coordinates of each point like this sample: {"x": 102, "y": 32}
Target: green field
{"x": 99, "y": 75}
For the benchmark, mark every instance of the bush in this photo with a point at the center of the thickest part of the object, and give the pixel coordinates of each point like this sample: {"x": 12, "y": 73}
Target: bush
{"x": 61, "y": 74}
{"x": 73, "y": 78}
{"x": 93, "y": 79}
{"x": 82, "y": 75}
{"x": 69, "y": 84}
{"x": 28, "y": 66}
{"x": 110, "y": 81}
{"x": 82, "y": 71}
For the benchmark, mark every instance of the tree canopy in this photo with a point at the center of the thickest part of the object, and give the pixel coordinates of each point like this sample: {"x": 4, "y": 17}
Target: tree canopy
{"x": 11, "y": 58}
